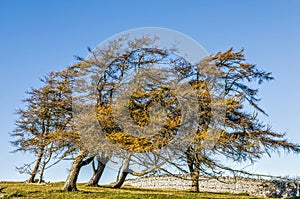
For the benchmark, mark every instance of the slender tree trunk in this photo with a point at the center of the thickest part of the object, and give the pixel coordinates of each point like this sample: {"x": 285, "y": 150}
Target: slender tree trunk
{"x": 98, "y": 171}
{"x": 45, "y": 162}
{"x": 70, "y": 184}
{"x": 36, "y": 166}
{"x": 194, "y": 170}
{"x": 124, "y": 174}
{"x": 42, "y": 173}
{"x": 195, "y": 181}
{"x": 120, "y": 170}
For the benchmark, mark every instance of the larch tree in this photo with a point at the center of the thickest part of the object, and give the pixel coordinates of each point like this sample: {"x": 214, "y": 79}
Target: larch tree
{"x": 45, "y": 126}
{"x": 241, "y": 137}
{"x": 107, "y": 69}
{"x": 39, "y": 124}
{"x": 238, "y": 135}
{"x": 149, "y": 108}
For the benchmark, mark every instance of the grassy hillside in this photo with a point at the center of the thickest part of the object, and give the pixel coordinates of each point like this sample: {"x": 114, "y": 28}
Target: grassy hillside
{"x": 53, "y": 190}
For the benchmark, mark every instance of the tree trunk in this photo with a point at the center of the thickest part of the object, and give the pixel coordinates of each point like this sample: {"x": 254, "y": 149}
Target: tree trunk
{"x": 45, "y": 162}
{"x": 195, "y": 181}
{"x": 98, "y": 171}
{"x": 194, "y": 170}
{"x": 125, "y": 172}
{"x": 70, "y": 184}
{"x": 42, "y": 172}
{"x": 36, "y": 166}
{"x": 121, "y": 180}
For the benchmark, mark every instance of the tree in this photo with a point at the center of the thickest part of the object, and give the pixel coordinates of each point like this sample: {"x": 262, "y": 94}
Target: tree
{"x": 238, "y": 135}
{"x": 34, "y": 125}
{"x": 145, "y": 105}
{"x": 43, "y": 122}
{"x": 105, "y": 69}
{"x": 243, "y": 137}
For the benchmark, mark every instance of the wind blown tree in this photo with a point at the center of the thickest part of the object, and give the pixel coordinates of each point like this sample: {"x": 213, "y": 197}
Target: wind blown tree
{"x": 163, "y": 119}
{"x": 242, "y": 137}
{"x": 40, "y": 123}
{"x": 106, "y": 69}
{"x": 45, "y": 126}
{"x": 33, "y": 126}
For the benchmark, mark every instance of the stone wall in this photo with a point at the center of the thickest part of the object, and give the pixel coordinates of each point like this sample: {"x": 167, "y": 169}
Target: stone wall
{"x": 255, "y": 187}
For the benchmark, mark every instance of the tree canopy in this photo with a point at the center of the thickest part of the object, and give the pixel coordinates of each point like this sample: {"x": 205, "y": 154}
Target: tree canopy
{"x": 151, "y": 107}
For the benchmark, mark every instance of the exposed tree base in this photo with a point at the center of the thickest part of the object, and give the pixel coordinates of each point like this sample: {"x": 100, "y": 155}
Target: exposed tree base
{"x": 30, "y": 180}
{"x": 73, "y": 188}
{"x": 194, "y": 190}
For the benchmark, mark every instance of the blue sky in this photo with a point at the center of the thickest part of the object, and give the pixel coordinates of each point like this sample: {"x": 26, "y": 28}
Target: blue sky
{"x": 37, "y": 37}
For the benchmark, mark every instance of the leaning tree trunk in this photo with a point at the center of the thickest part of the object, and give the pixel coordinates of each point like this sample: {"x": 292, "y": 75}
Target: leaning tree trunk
{"x": 36, "y": 166}
{"x": 42, "y": 173}
{"x": 98, "y": 171}
{"x": 45, "y": 162}
{"x": 124, "y": 174}
{"x": 121, "y": 180}
{"x": 70, "y": 184}
{"x": 126, "y": 171}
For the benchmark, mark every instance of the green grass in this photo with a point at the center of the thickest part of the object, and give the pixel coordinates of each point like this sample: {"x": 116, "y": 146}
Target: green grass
{"x": 53, "y": 190}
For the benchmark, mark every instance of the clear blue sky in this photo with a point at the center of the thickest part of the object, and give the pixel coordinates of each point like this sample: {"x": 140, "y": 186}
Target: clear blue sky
{"x": 40, "y": 36}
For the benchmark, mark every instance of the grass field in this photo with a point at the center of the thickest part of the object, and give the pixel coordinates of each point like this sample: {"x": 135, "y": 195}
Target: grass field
{"x": 53, "y": 190}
